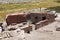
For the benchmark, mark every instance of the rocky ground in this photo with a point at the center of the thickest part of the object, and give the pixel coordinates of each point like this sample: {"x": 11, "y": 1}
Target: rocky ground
{"x": 47, "y": 32}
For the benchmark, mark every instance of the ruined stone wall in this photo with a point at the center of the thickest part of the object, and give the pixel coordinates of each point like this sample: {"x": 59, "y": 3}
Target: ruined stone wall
{"x": 43, "y": 18}
{"x": 15, "y": 19}
{"x": 36, "y": 17}
{"x": 27, "y": 29}
{"x": 49, "y": 19}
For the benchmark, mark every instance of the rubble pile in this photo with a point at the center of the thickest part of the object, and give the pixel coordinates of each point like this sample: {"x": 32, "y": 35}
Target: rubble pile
{"x": 15, "y": 32}
{"x": 12, "y": 31}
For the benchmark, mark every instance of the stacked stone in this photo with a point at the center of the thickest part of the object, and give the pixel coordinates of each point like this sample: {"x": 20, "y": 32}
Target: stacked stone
{"x": 49, "y": 19}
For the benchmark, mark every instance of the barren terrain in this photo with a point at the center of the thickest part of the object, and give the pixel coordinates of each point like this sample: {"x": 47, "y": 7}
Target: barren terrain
{"x": 47, "y": 32}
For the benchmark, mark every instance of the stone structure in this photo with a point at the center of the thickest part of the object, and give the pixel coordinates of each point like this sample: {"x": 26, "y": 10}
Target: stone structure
{"x": 41, "y": 19}
{"x": 15, "y": 18}
{"x": 38, "y": 19}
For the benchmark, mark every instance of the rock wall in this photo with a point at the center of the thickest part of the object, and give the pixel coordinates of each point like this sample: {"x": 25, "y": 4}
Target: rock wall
{"x": 49, "y": 19}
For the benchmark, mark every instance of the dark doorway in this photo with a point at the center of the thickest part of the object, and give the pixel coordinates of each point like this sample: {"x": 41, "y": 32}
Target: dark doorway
{"x": 43, "y": 18}
{"x": 28, "y": 32}
{"x": 36, "y": 17}
{"x": 35, "y": 20}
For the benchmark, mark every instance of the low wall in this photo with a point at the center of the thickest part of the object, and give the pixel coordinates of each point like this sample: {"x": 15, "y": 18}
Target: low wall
{"x": 44, "y": 23}
{"x": 27, "y": 29}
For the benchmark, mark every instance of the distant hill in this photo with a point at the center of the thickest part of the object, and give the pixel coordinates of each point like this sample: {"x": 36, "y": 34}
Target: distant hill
{"x": 17, "y": 1}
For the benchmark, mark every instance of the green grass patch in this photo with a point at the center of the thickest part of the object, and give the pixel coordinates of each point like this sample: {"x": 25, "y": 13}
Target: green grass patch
{"x": 18, "y": 7}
